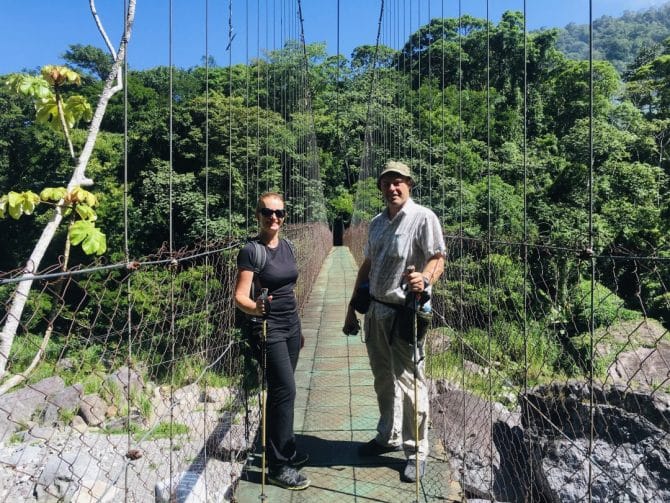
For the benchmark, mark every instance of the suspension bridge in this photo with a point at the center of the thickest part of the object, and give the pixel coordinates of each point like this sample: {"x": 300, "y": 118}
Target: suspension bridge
{"x": 125, "y": 378}
{"x": 336, "y": 410}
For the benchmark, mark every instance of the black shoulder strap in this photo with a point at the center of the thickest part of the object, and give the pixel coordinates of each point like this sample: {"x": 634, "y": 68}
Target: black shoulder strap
{"x": 260, "y": 256}
{"x": 258, "y": 259}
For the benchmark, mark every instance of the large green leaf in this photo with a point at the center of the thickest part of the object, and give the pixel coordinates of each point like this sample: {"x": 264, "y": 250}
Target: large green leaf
{"x": 83, "y": 196}
{"x": 29, "y": 202}
{"x": 92, "y": 240}
{"x": 85, "y": 212}
{"x": 28, "y": 85}
{"x": 53, "y": 193}
{"x": 77, "y": 108}
{"x": 18, "y": 203}
{"x": 47, "y": 112}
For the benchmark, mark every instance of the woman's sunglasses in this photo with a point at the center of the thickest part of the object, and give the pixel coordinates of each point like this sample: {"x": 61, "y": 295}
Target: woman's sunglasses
{"x": 267, "y": 212}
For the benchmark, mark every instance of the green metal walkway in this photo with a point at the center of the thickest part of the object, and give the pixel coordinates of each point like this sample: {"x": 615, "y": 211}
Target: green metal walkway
{"x": 336, "y": 411}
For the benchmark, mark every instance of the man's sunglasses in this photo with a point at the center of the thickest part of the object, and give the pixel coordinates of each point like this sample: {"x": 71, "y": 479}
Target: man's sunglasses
{"x": 267, "y": 212}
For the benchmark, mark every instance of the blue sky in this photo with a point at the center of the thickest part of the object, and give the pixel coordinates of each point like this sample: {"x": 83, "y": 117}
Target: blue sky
{"x": 37, "y": 32}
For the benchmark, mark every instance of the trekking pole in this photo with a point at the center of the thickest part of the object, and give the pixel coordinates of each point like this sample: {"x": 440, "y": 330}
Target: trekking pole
{"x": 415, "y": 306}
{"x": 264, "y": 393}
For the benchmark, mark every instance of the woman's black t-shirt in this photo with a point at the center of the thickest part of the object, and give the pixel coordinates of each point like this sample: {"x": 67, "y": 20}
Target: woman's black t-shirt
{"x": 279, "y": 276}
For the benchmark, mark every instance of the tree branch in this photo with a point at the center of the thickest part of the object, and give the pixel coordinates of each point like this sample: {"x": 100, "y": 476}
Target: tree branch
{"x": 22, "y": 291}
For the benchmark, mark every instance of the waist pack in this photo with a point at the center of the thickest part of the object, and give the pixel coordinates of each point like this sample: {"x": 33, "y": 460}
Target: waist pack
{"x": 361, "y": 299}
{"x": 403, "y": 324}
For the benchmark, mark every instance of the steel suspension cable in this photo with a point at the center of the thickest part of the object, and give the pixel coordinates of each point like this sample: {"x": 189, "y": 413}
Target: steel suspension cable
{"x": 525, "y": 219}
{"x": 592, "y": 262}
{"x": 126, "y": 245}
{"x": 430, "y": 117}
{"x": 489, "y": 236}
{"x": 171, "y": 246}
{"x": 367, "y": 142}
{"x": 230, "y": 118}
{"x": 258, "y": 99}
{"x": 415, "y": 104}
{"x": 270, "y": 102}
{"x": 310, "y": 136}
{"x": 247, "y": 104}
{"x": 442, "y": 117}
{"x": 207, "y": 243}
{"x": 461, "y": 271}
{"x": 404, "y": 33}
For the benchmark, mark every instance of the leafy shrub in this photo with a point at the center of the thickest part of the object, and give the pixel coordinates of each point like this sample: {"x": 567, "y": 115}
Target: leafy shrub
{"x": 607, "y": 306}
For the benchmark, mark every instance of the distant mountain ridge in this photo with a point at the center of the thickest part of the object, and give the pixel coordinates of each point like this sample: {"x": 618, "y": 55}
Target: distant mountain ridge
{"x": 617, "y": 39}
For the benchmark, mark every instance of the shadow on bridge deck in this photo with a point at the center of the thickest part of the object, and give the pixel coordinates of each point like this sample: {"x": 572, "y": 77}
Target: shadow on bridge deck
{"x": 336, "y": 411}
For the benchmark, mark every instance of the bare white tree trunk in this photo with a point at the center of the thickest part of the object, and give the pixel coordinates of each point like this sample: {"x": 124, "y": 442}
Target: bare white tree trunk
{"x": 113, "y": 84}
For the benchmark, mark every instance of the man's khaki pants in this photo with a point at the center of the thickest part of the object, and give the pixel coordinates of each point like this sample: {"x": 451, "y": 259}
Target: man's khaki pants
{"x": 392, "y": 362}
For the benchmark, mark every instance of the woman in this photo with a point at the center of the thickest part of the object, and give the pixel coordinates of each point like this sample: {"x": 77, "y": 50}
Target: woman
{"x": 284, "y": 336}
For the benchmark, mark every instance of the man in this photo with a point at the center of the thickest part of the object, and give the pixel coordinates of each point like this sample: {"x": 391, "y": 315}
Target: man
{"x": 404, "y": 234}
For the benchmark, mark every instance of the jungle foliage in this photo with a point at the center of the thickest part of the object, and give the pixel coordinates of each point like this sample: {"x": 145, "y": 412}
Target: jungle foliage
{"x": 501, "y": 154}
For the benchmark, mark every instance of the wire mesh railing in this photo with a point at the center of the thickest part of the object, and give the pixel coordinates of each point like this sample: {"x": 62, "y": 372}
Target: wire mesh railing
{"x": 548, "y": 353}
{"x": 524, "y": 404}
{"x": 549, "y": 350}
{"x": 122, "y": 406}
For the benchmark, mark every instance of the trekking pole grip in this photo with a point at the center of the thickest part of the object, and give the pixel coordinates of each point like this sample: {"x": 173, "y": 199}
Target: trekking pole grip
{"x": 266, "y": 304}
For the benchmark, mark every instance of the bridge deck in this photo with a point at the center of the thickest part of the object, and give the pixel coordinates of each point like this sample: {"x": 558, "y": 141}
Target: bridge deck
{"x": 336, "y": 411}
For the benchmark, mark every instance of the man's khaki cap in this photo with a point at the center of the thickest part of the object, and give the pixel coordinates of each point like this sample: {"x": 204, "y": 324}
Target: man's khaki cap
{"x": 398, "y": 167}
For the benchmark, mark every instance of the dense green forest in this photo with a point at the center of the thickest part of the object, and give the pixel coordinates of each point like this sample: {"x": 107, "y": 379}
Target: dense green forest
{"x": 619, "y": 40}
{"x": 501, "y": 152}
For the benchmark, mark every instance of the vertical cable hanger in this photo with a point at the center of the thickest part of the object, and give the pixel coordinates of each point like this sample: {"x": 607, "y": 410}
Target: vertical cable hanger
{"x": 415, "y": 155}
{"x": 173, "y": 260}
{"x": 442, "y": 116}
{"x": 126, "y": 246}
{"x": 461, "y": 272}
{"x": 592, "y": 262}
{"x": 489, "y": 236}
{"x": 525, "y": 215}
{"x": 430, "y": 115}
{"x": 366, "y": 158}
{"x": 230, "y": 118}
{"x": 294, "y": 161}
{"x": 408, "y": 104}
{"x": 283, "y": 105}
{"x": 247, "y": 105}
{"x": 388, "y": 114}
{"x": 338, "y": 87}
{"x": 170, "y": 124}
{"x": 309, "y": 137}
{"x": 258, "y": 99}
{"x": 207, "y": 56}
{"x": 442, "y": 194}
{"x": 398, "y": 33}
{"x": 207, "y": 243}
{"x": 271, "y": 100}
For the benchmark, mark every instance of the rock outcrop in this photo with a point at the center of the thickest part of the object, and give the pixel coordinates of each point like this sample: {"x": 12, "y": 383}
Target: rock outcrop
{"x": 567, "y": 440}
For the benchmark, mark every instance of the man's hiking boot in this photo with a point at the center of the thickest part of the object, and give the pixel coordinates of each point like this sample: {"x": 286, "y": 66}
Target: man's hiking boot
{"x": 410, "y": 473}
